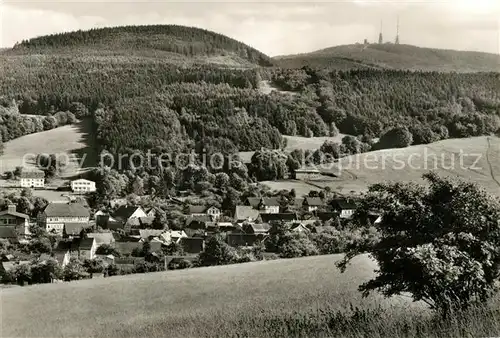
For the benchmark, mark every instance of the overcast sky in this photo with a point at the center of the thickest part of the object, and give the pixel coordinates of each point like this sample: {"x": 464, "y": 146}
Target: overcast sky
{"x": 275, "y": 27}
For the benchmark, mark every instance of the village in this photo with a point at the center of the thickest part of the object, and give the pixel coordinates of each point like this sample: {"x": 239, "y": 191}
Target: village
{"x": 126, "y": 234}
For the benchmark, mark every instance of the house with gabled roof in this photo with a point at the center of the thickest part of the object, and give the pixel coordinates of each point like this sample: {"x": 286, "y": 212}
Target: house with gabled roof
{"x": 19, "y": 222}
{"x": 150, "y": 212}
{"x": 244, "y": 213}
{"x": 55, "y": 215}
{"x": 102, "y": 238}
{"x": 256, "y": 228}
{"x": 74, "y": 230}
{"x": 299, "y": 227}
{"x": 198, "y": 221}
{"x": 84, "y": 248}
{"x": 203, "y": 210}
{"x": 127, "y": 212}
{"x": 241, "y": 239}
{"x": 313, "y": 203}
{"x": 264, "y": 204}
{"x": 344, "y": 207}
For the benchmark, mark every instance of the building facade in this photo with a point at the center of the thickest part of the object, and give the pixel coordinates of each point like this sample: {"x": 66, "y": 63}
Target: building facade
{"x": 307, "y": 174}
{"x": 83, "y": 186}
{"x": 16, "y": 220}
{"x": 55, "y": 215}
{"x": 32, "y": 179}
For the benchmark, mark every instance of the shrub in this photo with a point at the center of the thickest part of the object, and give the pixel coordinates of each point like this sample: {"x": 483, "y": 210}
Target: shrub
{"x": 179, "y": 264}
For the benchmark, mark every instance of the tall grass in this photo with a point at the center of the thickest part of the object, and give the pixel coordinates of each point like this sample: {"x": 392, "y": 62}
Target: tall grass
{"x": 481, "y": 321}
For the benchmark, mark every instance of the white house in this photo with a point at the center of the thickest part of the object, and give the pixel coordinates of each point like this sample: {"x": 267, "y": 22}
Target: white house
{"x": 32, "y": 179}
{"x": 214, "y": 212}
{"x": 55, "y": 215}
{"x": 83, "y": 186}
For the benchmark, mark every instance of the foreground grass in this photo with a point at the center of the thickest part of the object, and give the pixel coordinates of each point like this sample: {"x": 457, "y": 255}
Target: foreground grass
{"x": 296, "y": 297}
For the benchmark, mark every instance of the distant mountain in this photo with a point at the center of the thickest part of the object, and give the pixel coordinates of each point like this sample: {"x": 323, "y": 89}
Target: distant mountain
{"x": 391, "y": 56}
{"x": 171, "y": 43}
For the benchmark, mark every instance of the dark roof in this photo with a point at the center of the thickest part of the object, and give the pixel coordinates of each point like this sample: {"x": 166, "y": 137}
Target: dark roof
{"x": 198, "y": 219}
{"x": 66, "y": 209}
{"x": 126, "y": 248}
{"x": 241, "y": 239}
{"x": 75, "y": 228}
{"x": 8, "y": 232}
{"x": 62, "y": 246}
{"x": 14, "y": 213}
{"x": 244, "y": 212}
{"x": 344, "y": 204}
{"x": 124, "y": 212}
{"x": 268, "y": 201}
{"x": 314, "y": 201}
{"x": 326, "y": 216}
{"x": 257, "y": 228}
{"x": 32, "y": 174}
{"x": 197, "y": 209}
{"x": 86, "y": 243}
{"x": 192, "y": 244}
{"x": 290, "y": 216}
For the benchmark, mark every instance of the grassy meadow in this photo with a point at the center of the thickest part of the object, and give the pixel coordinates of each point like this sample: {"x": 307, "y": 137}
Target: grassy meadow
{"x": 476, "y": 159}
{"x": 75, "y": 141}
{"x": 295, "y": 297}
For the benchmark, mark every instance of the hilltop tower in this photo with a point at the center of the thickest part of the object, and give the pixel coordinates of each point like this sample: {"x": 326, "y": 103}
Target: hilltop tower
{"x": 380, "y": 38}
{"x": 397, "y": 33}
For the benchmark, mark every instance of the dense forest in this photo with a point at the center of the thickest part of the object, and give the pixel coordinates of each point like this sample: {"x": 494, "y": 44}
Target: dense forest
{"x": 147, "y": 103}
{"x": 187, "y": 41}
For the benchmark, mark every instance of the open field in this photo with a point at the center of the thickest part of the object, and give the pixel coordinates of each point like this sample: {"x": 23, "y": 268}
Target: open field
{"x": 476, "y": 159}
{"x": 74, "y": 141}
{"x": 187, "y": 303}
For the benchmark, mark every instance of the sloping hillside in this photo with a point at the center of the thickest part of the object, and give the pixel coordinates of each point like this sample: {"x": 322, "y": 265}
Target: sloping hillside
{"x": 214, "y": 301}
{"x": 392, "y": 56}
{"x": 475, "y": 159}
{"x": 168, "y": 43}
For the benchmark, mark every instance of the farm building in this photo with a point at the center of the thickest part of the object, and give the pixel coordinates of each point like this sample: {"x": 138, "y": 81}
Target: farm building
{"x": 55, "y": 215}
{"x": 307, "y": 174}
{"x": 32, "y": 179}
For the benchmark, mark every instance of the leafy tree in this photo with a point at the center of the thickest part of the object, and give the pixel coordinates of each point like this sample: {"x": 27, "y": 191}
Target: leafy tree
{"x": 398, "y": 137}
{"x": 41, "y": 245}
{"x": 334, "y": 131}
{"x": 106, "y": 249}
{"x": 439, "y": 244}
{"x": 269, "y": 165}
{"x": 217, "y": 252}
{"x": 160, "y": 219}
{"x": 74, "y": 270}
{"x": 331, "y": 148}
{"x": 221, "y": 180}
{"x": 49, "y": 122}
{"x": 45, "y": 271}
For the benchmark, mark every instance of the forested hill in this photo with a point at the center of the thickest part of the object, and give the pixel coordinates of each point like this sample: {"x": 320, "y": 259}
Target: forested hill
{"x": 168, "y": 42}
{"x": 391, "y": 56}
